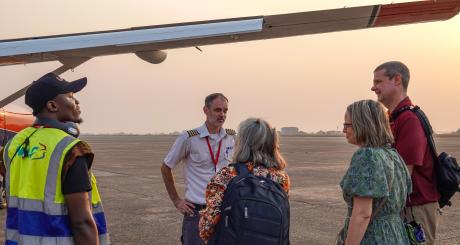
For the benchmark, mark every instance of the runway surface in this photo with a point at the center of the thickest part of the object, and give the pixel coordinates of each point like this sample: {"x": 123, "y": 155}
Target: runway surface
{"x": 139, "y": 211}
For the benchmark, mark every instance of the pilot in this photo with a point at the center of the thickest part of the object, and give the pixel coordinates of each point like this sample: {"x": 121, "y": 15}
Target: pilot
{"x": 204, "y": 151}
{"x": 52, "y": 194}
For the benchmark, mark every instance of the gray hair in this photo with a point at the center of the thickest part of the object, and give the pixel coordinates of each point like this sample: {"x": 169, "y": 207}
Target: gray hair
{"x": 396, "y": 67}
{"x": 258, "y": 142}
{"x": 210, "y": 98}
{"x": 370, "y": 123}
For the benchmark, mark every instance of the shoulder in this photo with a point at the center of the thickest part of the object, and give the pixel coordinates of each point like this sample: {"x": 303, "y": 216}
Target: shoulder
{"x": 186, "y": 135}
{"x": 367, "y": 157}
{"x": 224, "y": 176}
{"x": 363, "y": 153}
{"x": 191, "y": 133}
{"x": 407, "y": 117}
{"x": 408, "y": 127}
{"x": 230, "y": 131}
{"x": 280, "y": 177}
{"x": 82, "y": 148}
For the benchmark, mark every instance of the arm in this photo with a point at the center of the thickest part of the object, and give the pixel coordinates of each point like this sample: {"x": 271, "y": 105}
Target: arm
{"x": 81, "y": 219}
{"x": 360, "y": 217}
{"x": 76, "y": 186}
{"x": 211, "y": 215}
{"x": 182, "y": 205}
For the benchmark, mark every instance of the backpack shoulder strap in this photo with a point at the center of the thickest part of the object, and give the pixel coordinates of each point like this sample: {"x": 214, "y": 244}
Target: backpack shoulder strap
{"x": 241, "y": 169}
{"x": 395, "y": 114}
{"x": 425, "y": 125}
{"x": 427, "y": 129}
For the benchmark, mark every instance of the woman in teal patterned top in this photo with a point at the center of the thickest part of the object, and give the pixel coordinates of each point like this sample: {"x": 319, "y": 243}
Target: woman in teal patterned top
{"x": 377, "y": 182}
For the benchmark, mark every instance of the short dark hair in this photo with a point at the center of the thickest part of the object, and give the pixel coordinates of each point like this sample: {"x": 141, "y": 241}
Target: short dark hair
{"x": 210, "y": 98}
{"x": 396, "y": 67}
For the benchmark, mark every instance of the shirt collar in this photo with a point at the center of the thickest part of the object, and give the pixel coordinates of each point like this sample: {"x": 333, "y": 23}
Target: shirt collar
{"x": 405, "y": 102}
{"x": 203, "y": 130}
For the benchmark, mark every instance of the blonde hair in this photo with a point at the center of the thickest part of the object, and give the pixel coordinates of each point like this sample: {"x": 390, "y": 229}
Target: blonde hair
{"x": 370, "y": 123}
{"x": 258, "y": 142}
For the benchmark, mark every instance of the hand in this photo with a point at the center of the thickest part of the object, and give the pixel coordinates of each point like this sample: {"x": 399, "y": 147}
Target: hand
{"x": 184, "y": 206}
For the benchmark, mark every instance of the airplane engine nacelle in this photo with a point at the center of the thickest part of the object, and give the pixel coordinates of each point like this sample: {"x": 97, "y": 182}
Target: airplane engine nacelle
{"x": 153, "y": 57}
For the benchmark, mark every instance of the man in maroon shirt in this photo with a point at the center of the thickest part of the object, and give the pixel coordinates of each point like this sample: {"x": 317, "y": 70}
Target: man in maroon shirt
{"x": 391, "y": 80}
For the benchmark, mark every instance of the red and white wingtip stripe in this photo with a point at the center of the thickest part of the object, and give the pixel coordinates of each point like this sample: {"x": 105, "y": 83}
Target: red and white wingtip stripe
{"x": 411, "y": 12}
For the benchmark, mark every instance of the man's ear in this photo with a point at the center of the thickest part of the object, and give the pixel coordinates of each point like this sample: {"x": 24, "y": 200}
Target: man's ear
{"x": 205, "y": 109}
{"x": 397, "y": 79}
{"x": 52, "y": 106}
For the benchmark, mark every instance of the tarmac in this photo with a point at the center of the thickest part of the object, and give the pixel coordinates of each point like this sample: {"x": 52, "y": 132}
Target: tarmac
{"x": 139, "y": 210}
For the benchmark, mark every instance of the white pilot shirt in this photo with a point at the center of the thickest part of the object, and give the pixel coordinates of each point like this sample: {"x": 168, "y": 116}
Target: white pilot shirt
{"x": 199, "y": 167}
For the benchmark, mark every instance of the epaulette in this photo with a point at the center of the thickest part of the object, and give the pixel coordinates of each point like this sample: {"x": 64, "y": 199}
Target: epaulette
{"x": 192, "y": 132}
{"x": 230, "y": 131}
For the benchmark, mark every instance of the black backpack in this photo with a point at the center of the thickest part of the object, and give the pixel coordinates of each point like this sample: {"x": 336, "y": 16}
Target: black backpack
{"x": 255, "y": 210}
{"x": 446, "y": 166}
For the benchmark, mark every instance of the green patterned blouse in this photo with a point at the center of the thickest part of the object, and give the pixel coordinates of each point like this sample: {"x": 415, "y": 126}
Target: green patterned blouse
{"x": 379, "y": 173}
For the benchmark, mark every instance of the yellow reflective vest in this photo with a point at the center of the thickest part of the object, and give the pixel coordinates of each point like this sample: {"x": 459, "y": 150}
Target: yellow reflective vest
{"x": 36, "y": 209}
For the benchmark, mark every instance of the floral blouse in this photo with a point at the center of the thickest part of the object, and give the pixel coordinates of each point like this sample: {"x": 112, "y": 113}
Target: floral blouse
{"x": 379, "y": 173}
{"x": 210, "y": 216}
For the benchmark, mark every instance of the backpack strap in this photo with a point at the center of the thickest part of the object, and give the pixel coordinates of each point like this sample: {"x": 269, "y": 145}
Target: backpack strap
{"x": 395, "y": 114}
{"x": 425, "y": 125}
{"x": 427, "y": 129}
{"x": 242, "y": 169}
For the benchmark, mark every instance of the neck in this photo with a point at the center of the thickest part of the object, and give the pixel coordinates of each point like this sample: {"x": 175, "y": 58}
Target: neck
{"x": 46, "y": 116}
{"x": 212, "y": 129}
{"x": 395, "y": 102}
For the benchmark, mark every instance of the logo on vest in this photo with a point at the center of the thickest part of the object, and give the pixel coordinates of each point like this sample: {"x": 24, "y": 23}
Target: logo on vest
{"x": 34, "y": 153}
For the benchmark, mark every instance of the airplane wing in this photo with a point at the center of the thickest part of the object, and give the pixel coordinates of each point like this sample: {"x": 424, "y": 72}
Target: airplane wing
{"x": 146, "y": 42}
{"x": 149, "y": 41}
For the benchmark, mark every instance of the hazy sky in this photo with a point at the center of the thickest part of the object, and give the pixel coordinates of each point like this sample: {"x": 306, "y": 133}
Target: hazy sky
{"x": 304, "y": 81}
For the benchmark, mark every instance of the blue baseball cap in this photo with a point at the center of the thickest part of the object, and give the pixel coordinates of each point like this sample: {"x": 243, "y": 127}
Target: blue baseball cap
{"x": 49, "y": 86}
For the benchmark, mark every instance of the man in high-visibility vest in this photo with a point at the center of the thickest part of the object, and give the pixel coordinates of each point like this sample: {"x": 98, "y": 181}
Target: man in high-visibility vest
{"x": 52, "y": 196}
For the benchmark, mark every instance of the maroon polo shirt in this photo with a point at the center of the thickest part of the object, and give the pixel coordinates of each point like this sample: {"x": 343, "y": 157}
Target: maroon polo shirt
{"x": 412, "y": 144}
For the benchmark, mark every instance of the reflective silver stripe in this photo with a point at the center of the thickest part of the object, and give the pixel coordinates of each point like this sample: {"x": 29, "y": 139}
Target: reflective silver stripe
{"x": 97, "y": 208}
{"x": 6, "y": 157}
{"x": 7, "y": 160}
{"x": 37, "y": 205}
{"x": 12, "y": 235}
{"x": 51, "y": 177}
{"x": 104, "y": 239}
{"x": 38, "y": 240}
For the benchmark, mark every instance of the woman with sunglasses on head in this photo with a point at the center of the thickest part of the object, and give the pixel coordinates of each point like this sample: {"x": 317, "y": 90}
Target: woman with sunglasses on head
{"x": 377, "y": 182}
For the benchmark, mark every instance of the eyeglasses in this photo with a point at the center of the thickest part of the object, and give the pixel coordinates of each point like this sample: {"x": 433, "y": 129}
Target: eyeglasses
{"x": 346, "y": 125}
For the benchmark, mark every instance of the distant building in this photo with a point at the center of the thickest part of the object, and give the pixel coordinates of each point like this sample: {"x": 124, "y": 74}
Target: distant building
{"x": 289, "y": 130}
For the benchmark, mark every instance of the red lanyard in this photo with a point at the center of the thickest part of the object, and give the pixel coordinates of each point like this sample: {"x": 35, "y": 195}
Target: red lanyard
{"x": 214, "y": 160}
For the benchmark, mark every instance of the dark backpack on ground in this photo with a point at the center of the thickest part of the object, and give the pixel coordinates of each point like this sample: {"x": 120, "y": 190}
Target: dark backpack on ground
{"x": 255, "y": 210}
{"x": 446, "y": 166}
